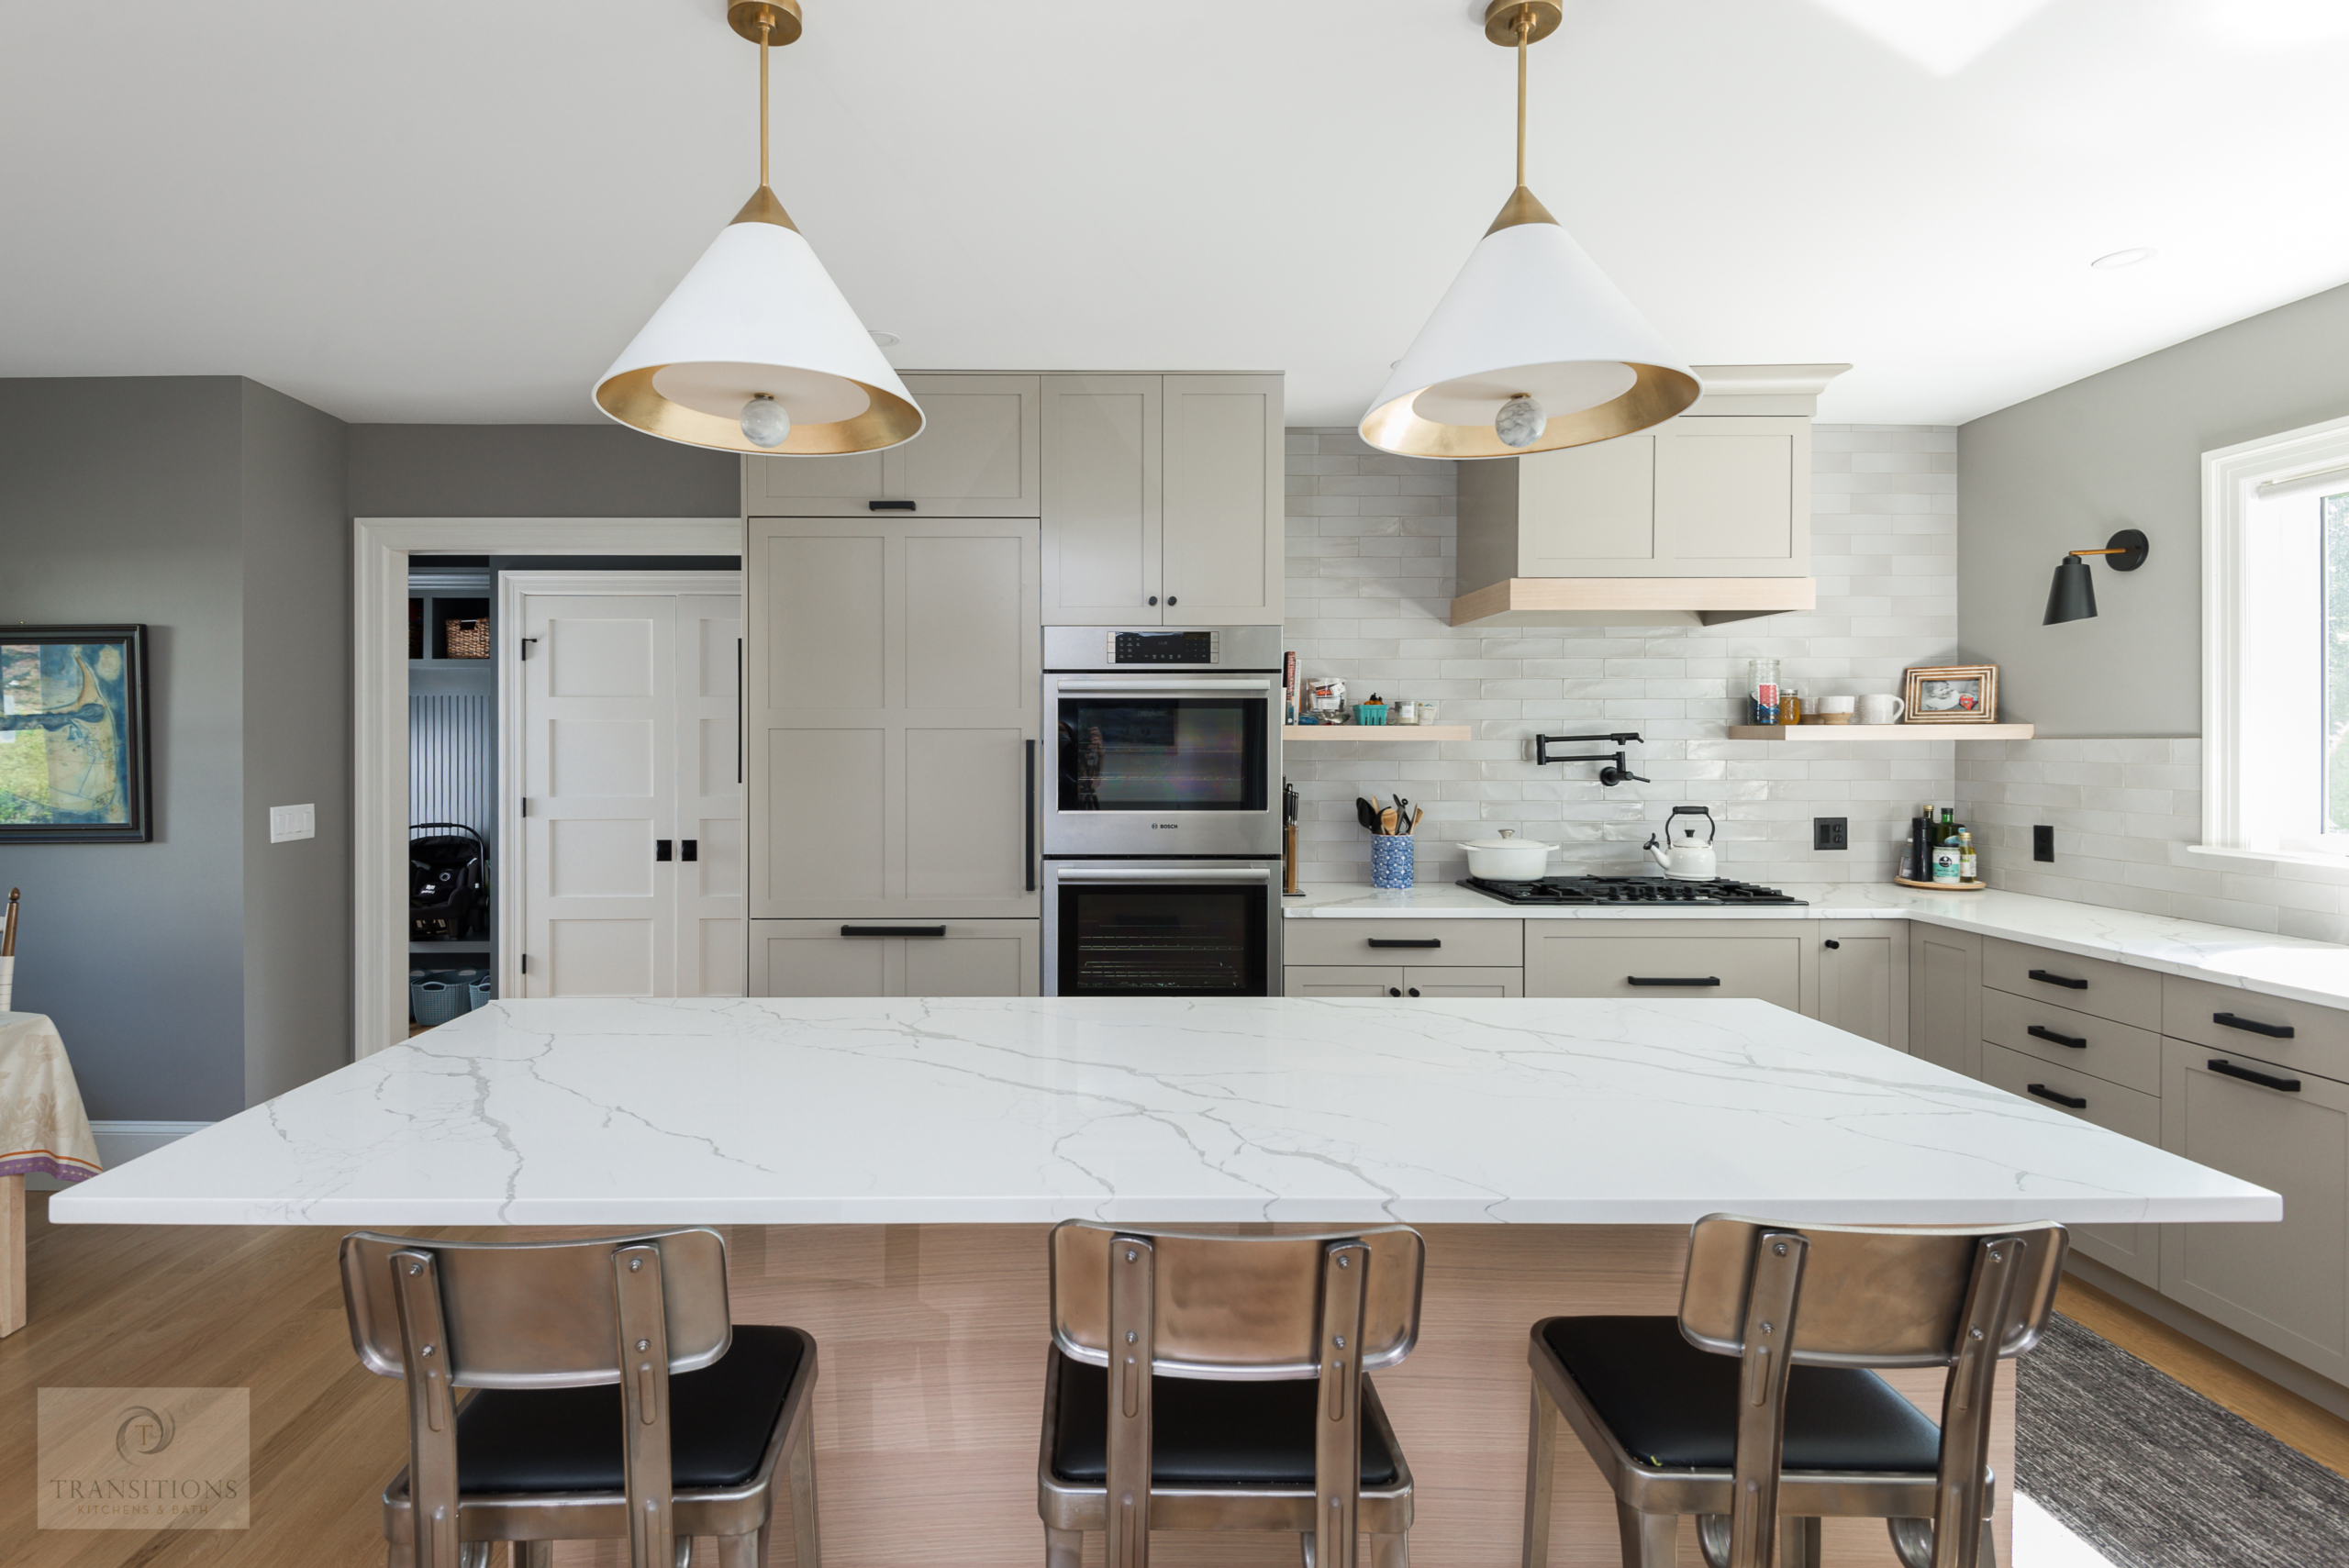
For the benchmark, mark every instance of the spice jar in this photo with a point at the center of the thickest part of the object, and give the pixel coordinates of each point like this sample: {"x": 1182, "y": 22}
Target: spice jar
{"x": 1761, "y": 700}
{"x": 1790, "y": 705}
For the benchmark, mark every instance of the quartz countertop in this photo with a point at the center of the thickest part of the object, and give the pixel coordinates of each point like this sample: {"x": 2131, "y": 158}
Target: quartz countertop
{"x": 1157, "y": 1110}
{"x": 2279, "y": 966}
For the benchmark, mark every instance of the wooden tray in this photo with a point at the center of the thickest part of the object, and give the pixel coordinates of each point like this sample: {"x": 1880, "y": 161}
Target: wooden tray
{"x": 1946, "y": 887}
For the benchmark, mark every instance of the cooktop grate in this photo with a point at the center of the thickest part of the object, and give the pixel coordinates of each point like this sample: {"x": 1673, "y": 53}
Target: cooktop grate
{"x": 1626, "y": 890}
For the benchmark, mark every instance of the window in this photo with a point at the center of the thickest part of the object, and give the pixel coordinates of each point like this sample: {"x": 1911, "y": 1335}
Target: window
{"x": 2275, "y": 647}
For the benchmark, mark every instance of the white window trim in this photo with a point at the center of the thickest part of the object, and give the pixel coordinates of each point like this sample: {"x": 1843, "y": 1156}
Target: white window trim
{"x": 2231, "y": 480}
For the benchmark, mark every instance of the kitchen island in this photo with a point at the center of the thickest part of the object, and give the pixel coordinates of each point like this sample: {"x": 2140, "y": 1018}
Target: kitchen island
{"x": 888, "y": 1168}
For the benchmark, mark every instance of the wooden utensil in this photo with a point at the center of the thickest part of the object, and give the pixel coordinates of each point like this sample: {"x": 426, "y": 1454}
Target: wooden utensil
{"x": 1386, "y": 821}
{"x": 1417, "y": 812}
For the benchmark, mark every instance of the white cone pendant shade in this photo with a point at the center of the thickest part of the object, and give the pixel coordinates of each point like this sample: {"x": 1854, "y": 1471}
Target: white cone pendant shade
{"x": 759, "y": 314}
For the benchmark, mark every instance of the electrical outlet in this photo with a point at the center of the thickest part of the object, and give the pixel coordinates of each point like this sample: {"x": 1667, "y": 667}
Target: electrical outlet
{"x": 2042, "y": 842}
{"x": 287, "y": 823}
{"x": 1831, "y": 833}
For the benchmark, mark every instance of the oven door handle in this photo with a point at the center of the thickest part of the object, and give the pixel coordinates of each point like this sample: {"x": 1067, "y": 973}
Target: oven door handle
{"x": 1164, "y": 873}
{"x": 1172, "y": 686}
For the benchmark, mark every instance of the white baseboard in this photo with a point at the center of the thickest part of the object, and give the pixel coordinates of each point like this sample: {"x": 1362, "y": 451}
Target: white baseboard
{"x": 121, "y": 1141}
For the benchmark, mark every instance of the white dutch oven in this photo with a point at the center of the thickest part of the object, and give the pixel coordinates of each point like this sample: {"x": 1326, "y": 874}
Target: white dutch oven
{"x": 1508, "y": 858}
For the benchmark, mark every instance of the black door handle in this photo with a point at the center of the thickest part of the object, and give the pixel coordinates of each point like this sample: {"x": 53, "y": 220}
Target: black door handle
{"x": 1153, "y": 598}
{"x": 889, "y": 505}
{"x": 1170, "y": 601}
{"x": 1028, "y": 856}
{"x": 2044, "y": 1093}
{"x": 1833, "y": 943}
{"x": 2039, "y": 1032}
{"x": 1415, "y": 990}
{"x": 692, "y": 848}
{"x": 1393, "y": 991}
{"x": 1708, "y": 980}
{"x": 2066, "y": 981}
{"x": 893, "y": 931}
{"x": 2265, "y": 1080}
{"x": 1404, "y": 941}
{"x": 2253, "y": 1026}
{"x": 660, "y": 848}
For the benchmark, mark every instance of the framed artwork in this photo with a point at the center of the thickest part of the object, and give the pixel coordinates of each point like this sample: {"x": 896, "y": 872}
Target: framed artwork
{"x": 1953, "y": 694}
{"x": 73, "y": 759}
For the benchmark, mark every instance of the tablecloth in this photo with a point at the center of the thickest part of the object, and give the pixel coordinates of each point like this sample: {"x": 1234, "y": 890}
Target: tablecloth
{"x": 43, "y": 1129}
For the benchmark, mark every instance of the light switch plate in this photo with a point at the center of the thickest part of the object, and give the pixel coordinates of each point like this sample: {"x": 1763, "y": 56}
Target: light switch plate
{"x": 287, "y": 823}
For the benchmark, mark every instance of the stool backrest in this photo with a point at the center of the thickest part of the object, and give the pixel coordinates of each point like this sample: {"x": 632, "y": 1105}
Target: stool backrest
{"x": 1964, "y": 1298}
{"x": 524, "y": 1315}
{"x": 1198, "y": 1304}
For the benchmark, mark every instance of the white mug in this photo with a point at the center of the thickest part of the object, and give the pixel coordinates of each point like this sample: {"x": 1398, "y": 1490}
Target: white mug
{"x": 1881, "y": 707}
{"x": 1832, "y": 705}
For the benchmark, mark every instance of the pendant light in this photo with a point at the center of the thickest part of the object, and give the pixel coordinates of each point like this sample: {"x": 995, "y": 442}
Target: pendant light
{"x": 757, "y": 350}
{"x": 1532, "y": 348}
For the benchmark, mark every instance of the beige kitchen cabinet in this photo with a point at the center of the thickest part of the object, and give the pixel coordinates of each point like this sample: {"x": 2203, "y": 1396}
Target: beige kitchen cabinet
{"x": 1163, "y": 500}
{"x": 1945, "y": 997}
{"x": 2094, "y": 986}
{"x": 2081, "y": 1042}
{"x": 1401, "y": 941}
{"x": 895, "y": 958}
{"x": 2133, "y": 1250}
{"x": 1864, "y": 979}
{"x": 2284, "y": 1284}
{"x": 892, "y": 683}
{"x": 2302, "y": 1035}
{"x": 1374, "y": 979}
{"x": 979, "y": 455}
{"x": 1772, "y": 960}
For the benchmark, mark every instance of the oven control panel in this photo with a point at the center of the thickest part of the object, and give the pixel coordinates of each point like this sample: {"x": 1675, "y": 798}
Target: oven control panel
{"x": 1163, "y": 648}
{"x": 1072, "y": 649}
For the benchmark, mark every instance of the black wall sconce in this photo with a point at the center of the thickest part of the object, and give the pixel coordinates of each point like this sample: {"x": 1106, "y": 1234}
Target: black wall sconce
{"x": 2071, "y": 596}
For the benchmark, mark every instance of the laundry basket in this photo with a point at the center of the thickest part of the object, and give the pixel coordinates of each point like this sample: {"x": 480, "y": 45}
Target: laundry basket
{"x": 467, "y": 638}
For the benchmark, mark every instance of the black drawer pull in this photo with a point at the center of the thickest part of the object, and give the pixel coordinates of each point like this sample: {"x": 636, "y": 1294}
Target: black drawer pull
{"x": 660, "y": 848}
{"x": 1638, "y": 980}
{"x": 2044, "y": 1093}
{"x": 2253, "y": 1026}
{"x": 1406, "y": 941}
{"x": 690, "y": 848}
{"x": 2038, "y": 1031}
{"x": 893, "y": 931}
{"x": 889, "y": 505}
{"x": 2265, "y": 1080}
{"x": 2066, "y": 981}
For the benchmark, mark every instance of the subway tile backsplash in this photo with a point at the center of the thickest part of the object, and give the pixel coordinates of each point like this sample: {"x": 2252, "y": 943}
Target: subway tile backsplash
{"x": 1371, "y": 551}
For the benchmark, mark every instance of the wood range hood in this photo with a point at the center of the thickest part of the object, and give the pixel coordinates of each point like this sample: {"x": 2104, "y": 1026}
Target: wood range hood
{"x": 1705, "y": 519}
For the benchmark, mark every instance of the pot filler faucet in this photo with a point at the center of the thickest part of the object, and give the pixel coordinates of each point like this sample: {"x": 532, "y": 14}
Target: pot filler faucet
{"x": 1617, "y": 769}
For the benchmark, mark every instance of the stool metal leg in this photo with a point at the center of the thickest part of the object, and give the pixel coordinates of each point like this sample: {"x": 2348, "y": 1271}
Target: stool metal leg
{"x": 806, "y": 1547}
{"x": 1799, "y": 1541}
{"x": 1066, "y": 1547}
{"x": 533, "y": 1555}
{"x": 1540, "y": 1477}
{"x": 1649, "y": 1541}
{"x": 740, "y": 1550}
{"x": 1390, "y": 1552}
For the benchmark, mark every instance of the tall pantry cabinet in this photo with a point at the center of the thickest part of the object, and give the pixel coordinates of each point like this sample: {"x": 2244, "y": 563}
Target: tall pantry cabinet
{"x": 894, "y": 606}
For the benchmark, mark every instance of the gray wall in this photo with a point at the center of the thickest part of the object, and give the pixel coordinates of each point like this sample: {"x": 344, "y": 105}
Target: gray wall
{"x": 2123, "y": 449}
{"x": 136, "y": 950}
{"x": 297, "y": 742}
{"x": 535, "y": 471}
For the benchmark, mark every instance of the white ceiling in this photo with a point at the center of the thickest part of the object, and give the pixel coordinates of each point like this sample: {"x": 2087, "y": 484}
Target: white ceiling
{"x": 459, "y": 210}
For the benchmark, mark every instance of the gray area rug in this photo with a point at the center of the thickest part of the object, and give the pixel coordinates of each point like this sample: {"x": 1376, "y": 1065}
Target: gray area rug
{"x": 2154, "y": 1475}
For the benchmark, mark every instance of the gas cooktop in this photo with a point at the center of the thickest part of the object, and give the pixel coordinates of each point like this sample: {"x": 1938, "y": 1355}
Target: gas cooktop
{"x": 1625, "y": 890}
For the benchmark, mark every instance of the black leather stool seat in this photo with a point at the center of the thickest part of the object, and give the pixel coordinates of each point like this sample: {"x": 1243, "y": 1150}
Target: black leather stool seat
{"x": 1670, "y": 1404}
{"x": 1205, "y": 1433}
{"x": 568, "y": 1439}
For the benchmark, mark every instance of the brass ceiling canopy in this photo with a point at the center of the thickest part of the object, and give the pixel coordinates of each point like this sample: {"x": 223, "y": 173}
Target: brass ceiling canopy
{"x": 1538, "y": 17}
{"x": 779, "y": 18}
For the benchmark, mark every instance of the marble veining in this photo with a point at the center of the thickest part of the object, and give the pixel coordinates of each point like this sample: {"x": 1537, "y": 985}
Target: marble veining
{"x": 2295, "y": 967}
{"x": 987, "y": 1110}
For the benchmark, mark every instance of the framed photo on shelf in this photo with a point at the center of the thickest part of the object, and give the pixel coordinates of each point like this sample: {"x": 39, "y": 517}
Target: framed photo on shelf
{"x": 73, "y": 759}
{"x": 1952, "y": 694}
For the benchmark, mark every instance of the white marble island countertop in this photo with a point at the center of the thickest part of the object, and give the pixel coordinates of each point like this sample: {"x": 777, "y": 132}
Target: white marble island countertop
{"x": 991, "y": 1111}
{"x": 2295, "y": 967}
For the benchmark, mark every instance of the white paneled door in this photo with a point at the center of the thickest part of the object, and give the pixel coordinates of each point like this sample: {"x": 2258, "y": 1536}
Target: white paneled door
{"x": 633, "y": 796}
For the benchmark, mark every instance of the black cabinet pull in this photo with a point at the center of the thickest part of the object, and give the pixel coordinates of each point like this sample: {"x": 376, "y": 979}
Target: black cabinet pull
{"x": 1708, "y": 980}
{"x": 2066, "y": 981}
{"x": 691, "y": 848}
{"x": 1833, "y": 943}
{"x": 1153, "y": 598}
{"x": 1029, "y": 856}
{"x": 1393, "y": 990}
{"x": 2253, "y": 1026}
{"x": 1170, "y": 601}
{"x": 889, "y": 505}
{"x": 2039, "y": 1032}
{"x": 2044, "y": 1093}
{"x": 2265, "y": 1080}
{"x": 1404, "y": 941}
{"x": 893, "y": 931}
{"x": 660, "y": 848}
{"x": 1415, "y": 990}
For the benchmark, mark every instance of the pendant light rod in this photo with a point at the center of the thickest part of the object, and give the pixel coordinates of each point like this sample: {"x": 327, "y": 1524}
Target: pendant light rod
{"x": 765, "y": 29}
{"x": 1524, "y": 37}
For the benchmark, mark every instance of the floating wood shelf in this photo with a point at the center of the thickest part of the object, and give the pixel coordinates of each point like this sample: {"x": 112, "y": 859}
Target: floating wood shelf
{"x": 1881, "y": 731}
{"x": 1376, "y": 732}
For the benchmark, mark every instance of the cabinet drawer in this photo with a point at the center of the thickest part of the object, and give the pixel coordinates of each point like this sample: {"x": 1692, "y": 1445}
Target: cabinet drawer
{"x": 2117, "y": 1053}
{"x": 2110, "y": 1106}
{"x": 1422, "y": 944}
{"x": 2319, "y": 1041}
{"x": 965, "y": 957}
{"x": 1378, "y": 980}
{"x": 1562, "y": 960}
{"x": 1463, "y": 982}
{"x": 2092, "y": 986}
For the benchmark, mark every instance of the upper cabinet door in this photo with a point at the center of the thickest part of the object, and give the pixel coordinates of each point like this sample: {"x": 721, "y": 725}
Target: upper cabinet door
{"x": 1224, "y": 511}
{"x": 1102, "y": 480}
{"x": 979, "y": 455}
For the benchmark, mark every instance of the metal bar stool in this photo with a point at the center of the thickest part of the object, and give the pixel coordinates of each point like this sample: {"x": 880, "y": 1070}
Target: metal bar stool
{"x": 614, "y": 1398}
{"x": 1216, "y": 1382}
{"x": 1796, "y": 1428}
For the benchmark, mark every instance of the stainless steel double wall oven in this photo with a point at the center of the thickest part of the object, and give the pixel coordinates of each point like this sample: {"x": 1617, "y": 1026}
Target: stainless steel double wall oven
{"x": 1162, "y": 824}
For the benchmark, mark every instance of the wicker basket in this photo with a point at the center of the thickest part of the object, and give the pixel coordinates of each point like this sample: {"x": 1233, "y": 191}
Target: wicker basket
{"x": 467, "y": 638}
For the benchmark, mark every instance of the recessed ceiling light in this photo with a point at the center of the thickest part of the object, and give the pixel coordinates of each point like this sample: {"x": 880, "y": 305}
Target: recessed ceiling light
{"x": 890, "y": 340}
{"x": 2128, "y": 257}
